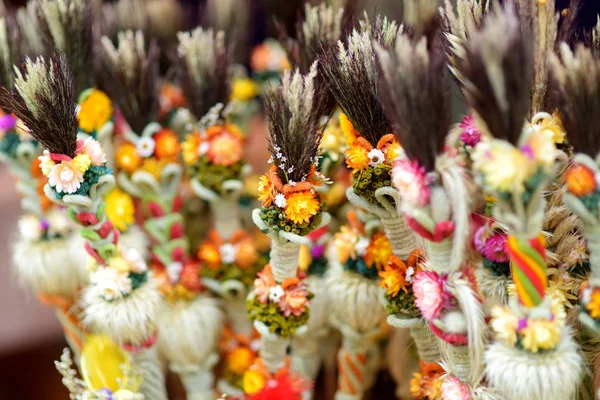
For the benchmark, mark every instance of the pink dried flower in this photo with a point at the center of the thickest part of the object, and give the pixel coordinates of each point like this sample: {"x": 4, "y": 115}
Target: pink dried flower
{"x": 470, "y": 135}
{"x": 93, "y": 150}
{"x": 429, "y": 294}
{"x": 454, "y": 389}
{"x": 295, "y": 300}
{"x": 65, "y": 177}
{"x": 491, "y": 246}
{"x": 411, "y": 181}
{"x": 263, "y": 284}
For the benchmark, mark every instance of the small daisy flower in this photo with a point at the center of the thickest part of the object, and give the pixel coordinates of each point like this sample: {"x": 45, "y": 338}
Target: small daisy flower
{"x": 376, "y": 157}
{"x": 145, "y": 146}
{"x": 410, "y": 272}
{"x": 276, "y": 293}
{"x": 361, "y": 246}
{"x": 174, "y": 270}
{"x": 203, "y": 148}
{"x": 227, "y": 253}
{"x": 280, "y": 200}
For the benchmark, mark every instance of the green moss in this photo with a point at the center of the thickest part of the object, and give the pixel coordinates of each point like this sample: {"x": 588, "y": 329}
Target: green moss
{"x": 138, "y": 280}
{"x": 358, "y": 266}
{"x": 403, "y": 304}
{"x": 497, "y": 268}
{"x": 270, "y": 315}
{"x": 366, "y": 182}
{"x": 275, "y": 218}
{"x": 212, "y": 176}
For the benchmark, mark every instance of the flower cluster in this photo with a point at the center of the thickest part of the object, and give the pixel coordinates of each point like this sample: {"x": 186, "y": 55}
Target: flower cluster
{"x": 490, "y": 241}
{"x": 294, "y": 207}
{"x": 268, "y": 60}
{"x": 437, "y": 304}
{"x": 582, "y": 182}
{"x": 120, "y": 209}
{"x": 529, "y": 333}
{"x": 54, "y": 225}
{"x": 240, "y": 352}
{"x": 170, "y": 98}
{"x": 360, "y": 252}
{"x": 94, "y": 111}
{"x": 120, "y": 275}
{"x": 214, "y": 156}
{"x": 178, "y": 280}
{"x": 590, "y": 301}
{"x": 149, "y": 153}
{"x": 75, "y": 176}
{"x": 259, "y": 383}
{"x": 236, "y": 259}
{"x": 397, "y": 278}
{"x": 507, "y": 170}
{"x": 427, "y": 383}
{"x": 282, "y": 307}
{"x": 371, "y": 166}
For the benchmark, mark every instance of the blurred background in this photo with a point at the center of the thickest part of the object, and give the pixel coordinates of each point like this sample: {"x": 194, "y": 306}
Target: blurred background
{"x": 30, "y": 336}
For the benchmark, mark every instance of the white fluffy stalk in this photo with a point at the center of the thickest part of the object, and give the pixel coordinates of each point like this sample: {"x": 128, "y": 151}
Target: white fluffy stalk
{"x": 153, "y": 385}
{"x": 520, "y": 375}
{"x": 53, "y": 268}
{"x": 189, "y": 334}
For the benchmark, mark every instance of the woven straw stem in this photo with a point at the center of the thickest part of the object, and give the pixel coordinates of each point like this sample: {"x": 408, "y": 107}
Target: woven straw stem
{"x": 426, "y": 342}
{"x": 353, "y": 368}
{"x": 458, "y": 357}
{"x": 306, "y": 355}
{"x": 439, "y": 254}
{"x": 273, "y": 350}
{"x": 593, "y": 242}
{"x": 400, "y": 236}
{"x": 226, "y": 214}
{"x": 284, "y": 259}
{"x": 238, "y": 316}
{"x": 153, "y": 386}
{"x": 198, "y": 384}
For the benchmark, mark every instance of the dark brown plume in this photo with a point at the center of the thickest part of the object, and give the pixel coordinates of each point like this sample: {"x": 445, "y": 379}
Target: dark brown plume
{"x": 45, "y": 99}
{"x": 497, "y": 75}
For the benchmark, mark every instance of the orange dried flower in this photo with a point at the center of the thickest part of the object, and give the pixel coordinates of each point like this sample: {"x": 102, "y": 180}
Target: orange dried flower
{"x": 357, "y": 157}
{"x": 301, "y": 206}
{"x": 167, "y": 145}
{"x": 379, "y": 251}
{"x": 128, "y": 158}
{"x": 189, "y": 148}
{"x": 580, "y": 180}
{"x": 393, "y": 276}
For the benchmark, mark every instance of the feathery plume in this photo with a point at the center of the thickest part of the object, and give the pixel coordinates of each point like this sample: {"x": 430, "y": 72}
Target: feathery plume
{"x": 204, "y": 69}
{"x": 10, "y": 44}
{"x": 130, "y": 76}
{"x": 45, "y": 99}
{"x": 66, "y": 26}
{"x": 27, "y": 19}
{"x": 496, "y": 75}
{"x": 468, "y": 12}
{"x": 576, "y": 77}
{"x": 415, "y": 93}
{"x": 352, "y": 73}
{"x": 295, "y": 111}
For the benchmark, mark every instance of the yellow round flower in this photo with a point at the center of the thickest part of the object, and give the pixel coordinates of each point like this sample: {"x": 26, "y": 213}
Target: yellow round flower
{"x": 357, "y": 157}
{"x": 540, "y": 334}
{"x": 82, "y": 162}
{"x": 266, "y": 190}
{"x": 119, "y": 263}
{"x": 239, "y": 360}
{"x": 504, "y": 324}
{"x": 379, "y": 251}
{"x": 153, "y": 167}
{"x": 243, "y": 89}
{"x": 94, "y": 111}
{"x": 128, "y": 158}
{"x": 189, "y": 148}
{"x": 301, "y": 206}
{"x": 253, "y": 381}
{"x": 120, "y": 209}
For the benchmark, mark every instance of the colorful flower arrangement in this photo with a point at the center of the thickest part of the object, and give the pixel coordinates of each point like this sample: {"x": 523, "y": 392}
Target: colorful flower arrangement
{"x": 295, "y": 207}
{"x": 490, "y": 241}
{"x": 427, "y": 383}
{"x": 236, "y": 258}
{"x": 268, "y": 61}
{"x": 283, "y": 307}
{"x": 260, "y": 384}
{"x": 75, "y": 176}
{"x": 215, "y": 155}
{"x": 590, "y": 302}
{"x": 360, "y": 252}
{"x": 94, "y": 110}
{"x": 240, "y": 354}
{"x": 439, "y": 307}
{"x": 507, "y": 171}
{"x": 149, "y": 153}
{"x": 53, "y": 225}
{"x": 533, "y": 334}
{"x": 371, "y": 166}
{"x": 397, "y": 278}
{"x": 582, "y": 182}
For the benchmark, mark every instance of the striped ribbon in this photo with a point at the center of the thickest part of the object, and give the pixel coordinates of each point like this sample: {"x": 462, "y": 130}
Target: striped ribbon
{"x": 528, "y": 265}
{"x": 352, "y": 370}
